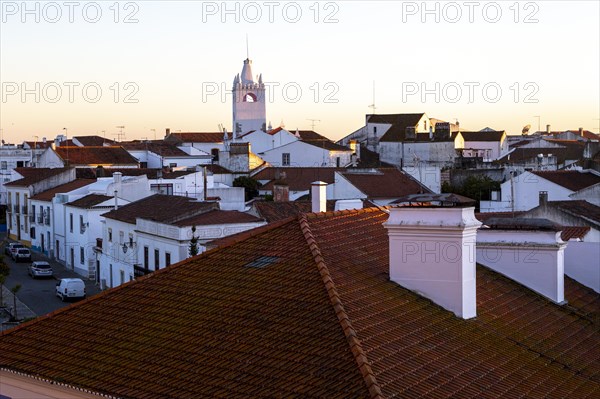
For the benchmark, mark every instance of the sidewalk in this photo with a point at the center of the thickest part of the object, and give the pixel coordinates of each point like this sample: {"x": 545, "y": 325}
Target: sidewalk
{"x": 23, "y": 311}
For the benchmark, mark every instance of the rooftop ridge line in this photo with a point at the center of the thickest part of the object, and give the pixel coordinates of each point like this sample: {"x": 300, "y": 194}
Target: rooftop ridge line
{"x": 351, "y": 336}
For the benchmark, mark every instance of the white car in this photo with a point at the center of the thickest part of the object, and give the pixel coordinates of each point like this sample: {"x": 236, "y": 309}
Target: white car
{"x": 70, "y": 288}
{"x": 40, "y": 269}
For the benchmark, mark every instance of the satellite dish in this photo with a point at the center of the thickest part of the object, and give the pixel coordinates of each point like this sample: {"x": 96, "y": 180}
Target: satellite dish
{"x": 525, "y": 130}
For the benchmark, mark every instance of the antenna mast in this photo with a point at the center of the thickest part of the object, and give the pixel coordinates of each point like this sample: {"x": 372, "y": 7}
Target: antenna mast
{"x": 313, "y": 123}
{"x": 120, "y": 135}
{"x": 247, "y": 48}
{"x": 373, "y": 105}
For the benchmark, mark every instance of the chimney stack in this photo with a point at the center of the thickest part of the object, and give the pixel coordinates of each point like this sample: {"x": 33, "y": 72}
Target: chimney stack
{"x": 432, "y": 251}
{"x": 168, "y": 131}
{"x": 543, "y": 198}
{"x": 581, "y": 131}
{"x": 548, "y": 129}
{"x": 281, "y": 192}
{"x": 318, "y": 192}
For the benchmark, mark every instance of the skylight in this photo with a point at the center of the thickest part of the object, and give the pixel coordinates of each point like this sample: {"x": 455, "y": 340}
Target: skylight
{"x": 262, "y": 261}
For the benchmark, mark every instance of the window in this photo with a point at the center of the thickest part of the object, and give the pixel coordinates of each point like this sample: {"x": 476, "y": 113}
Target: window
{"x": 337, "y": 162}
{"x": 3, "y": 165}
{"x": 32, "y": 233}
{"x": 143, "y": 165}
{"x": 20, "y": 164}
{"x": 424, "y": 125}
{"x": 173, "y": 165}
{"x": 375, "y": 130}
{"x": 215, "y": 154}
{"x": 166, "y": 189}
{"x": 81, "y": 225}
{"x": 146, "y": 258}
{"x": 109, "y": 234}
{"x": 71, "y": 222}
{"x": 156, "y": 259}
{"x": 33, "y": 213}
{"x": 122, "y": 276}
{"x": 167, "y": 259}
{"x": 81, "y": 255}
{"x": 121, "y": 237}
{"x": 130, "y": 240}
{"x": 285, "y": 159}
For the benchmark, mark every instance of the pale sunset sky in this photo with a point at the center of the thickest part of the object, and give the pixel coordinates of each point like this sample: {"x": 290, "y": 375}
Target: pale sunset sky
{"x": 149, "y": 65}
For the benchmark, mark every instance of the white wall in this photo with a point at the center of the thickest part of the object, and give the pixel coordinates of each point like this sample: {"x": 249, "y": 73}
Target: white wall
{"x": 534, "y": 259}
{"x": 427, "y": 174}
{"x": 590, "y": 194}
{"x": 582, "y": 263}
{"x": 526, "y": 189}
{"x": 306, "y": 155}
{"x": 342, "y": 189}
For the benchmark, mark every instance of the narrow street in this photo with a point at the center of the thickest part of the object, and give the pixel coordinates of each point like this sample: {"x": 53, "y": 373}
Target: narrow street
{"x": 38, "y": 294}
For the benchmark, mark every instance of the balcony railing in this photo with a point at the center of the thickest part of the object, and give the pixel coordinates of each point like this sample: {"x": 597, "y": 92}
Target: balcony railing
{"x": 40, "y": 219}
{"x": 31, "y": 218}
{"x": 24, "y": 210}
{"x": 16, "y": 209}
{"x": 47, "y": 221}
{"x": 139, "y": 271}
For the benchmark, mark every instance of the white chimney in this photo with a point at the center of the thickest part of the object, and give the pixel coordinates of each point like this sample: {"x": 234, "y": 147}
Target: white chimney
{"x": 529, "y": 251}
{"x": 318, "y": 192}
{"x": 117, "y": 178}
{"x": 432, "y": 252}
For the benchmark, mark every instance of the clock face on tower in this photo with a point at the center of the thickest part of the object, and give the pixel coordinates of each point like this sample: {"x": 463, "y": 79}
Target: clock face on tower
{"x": 250, "y": 98}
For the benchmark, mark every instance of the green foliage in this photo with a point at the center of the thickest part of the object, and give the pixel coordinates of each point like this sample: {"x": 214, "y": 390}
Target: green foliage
{"x": 193, "y": 249}
{"x": 475, "y": 187}
{"x": 250, "y": 186}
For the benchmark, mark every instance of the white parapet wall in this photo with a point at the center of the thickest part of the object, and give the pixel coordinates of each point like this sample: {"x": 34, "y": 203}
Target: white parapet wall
{"x": 582, "y": 263}
{"x": 533, "y": 258}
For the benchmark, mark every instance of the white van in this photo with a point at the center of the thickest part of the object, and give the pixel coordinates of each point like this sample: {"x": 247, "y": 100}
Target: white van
{"x": 70, "y": 288}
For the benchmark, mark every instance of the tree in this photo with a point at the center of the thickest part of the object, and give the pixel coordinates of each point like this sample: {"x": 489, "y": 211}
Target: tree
{"x": 250, "y": 186}
{"x": 193, "y": 250}
{"x": 476, "y": 187}
{"x": 14, "y": 290}
{"x": 4, "y": 272}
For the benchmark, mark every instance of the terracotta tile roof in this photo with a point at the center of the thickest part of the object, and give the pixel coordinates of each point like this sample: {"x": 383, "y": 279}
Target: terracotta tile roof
{"x": 570, "y": 179}
{"x": 48, "y": 195}
{"x": 89, "y": 201}
{"x": 95, "y": 156}
{"x": 275, "y": 211}
{"x": 385, "y": 183}
{"x": 34, "y": 175}
{"x": 313, "y": 138}
{"x": 39, "y": 144}
{"x": 190, "y": 137}
{"x": 89, "y": 173}
{"x": 162, "y": 149}
{"x": 298, "y": 179}
{"x": 220, "y": 339}
{"x": 572, "y": 151}
{"x": 570, "y": 232}
{"x": 399, "y": 122}
{"x": 161, "y": 208}
{"x": 218, "y": 217}
{"x": 296, "y": 309}
{"x": 93, "y": 141}
{"x": 483, "y": 136}
{"x": 217, "y": 169}
{"x": 580, "y": 208}
{"x": 484, "y": 216}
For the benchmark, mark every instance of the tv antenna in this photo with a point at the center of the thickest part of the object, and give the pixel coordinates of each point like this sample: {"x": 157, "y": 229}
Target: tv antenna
{"x": 247, "y": 48}
{"x": 373, "y": 105}
{"x": 120, "y": 135}
{"x": 538, "y": 118}
{"x": 313, "y": 123}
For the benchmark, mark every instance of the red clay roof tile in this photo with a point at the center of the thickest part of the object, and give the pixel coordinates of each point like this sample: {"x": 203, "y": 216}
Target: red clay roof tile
{"x": 323, "y": 320}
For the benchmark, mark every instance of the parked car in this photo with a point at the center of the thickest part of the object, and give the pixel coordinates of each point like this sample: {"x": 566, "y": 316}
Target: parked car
{"x": 21, "y": 254}
{"x": 12, "y": 247}
{"x": 40, "y": 269}
{"x": 70, "y": 288}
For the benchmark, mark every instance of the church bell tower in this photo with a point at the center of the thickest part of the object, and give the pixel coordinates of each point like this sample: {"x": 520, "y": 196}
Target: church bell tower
{"x": 249, "y": 102}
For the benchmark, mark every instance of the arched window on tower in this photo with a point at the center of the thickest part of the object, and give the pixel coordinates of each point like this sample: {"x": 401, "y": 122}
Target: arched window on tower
{"x": 250, "y": 98}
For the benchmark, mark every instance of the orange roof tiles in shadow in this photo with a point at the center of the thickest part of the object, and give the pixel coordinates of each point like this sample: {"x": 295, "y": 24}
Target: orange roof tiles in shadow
{"x": 63, "y": 188}
{"x": 74, "y": 155}
{"x": 305, "y": 308}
